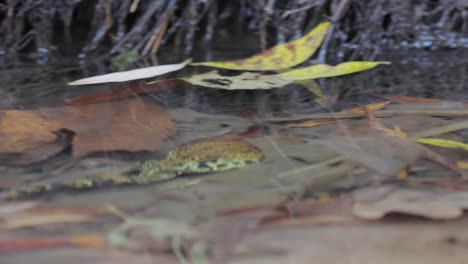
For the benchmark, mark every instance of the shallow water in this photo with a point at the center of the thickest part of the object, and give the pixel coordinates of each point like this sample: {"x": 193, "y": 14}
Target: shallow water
{"x": 300, "y": 162}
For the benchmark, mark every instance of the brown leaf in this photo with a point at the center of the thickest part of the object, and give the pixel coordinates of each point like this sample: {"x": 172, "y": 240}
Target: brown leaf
{"x": 130, "y": 125}
{"x": 37, "y": 219}
{"x": 125, "y": 91}
{"x": 312, "y": 212}
{"x": 374, "y": 203}
{"x": 23, "y": 244}
{"x": 32, "y": 215}
{"x": 38, "y": 153}
{"x": 21, "y": 130}
{"x": 119, "y": 125}
{"x": 412, "y": 100}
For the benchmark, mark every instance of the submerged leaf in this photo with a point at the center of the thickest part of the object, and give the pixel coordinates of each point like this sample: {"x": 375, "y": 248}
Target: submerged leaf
{"x": 415, "y": 100}
{"x": 37, "y": 219}
{"x": 129, "y": 125}
{"x": 375, "y": 203}
{"x": 35, "y": 243}
{"x": 244, "y": 81}
{"x": 444, "y": 143}
{"x": 21, "y": 130}
{"x": 324, "y": 70}
{"x": 462, "y": 164}
{"x": 136, "y": 74}
{"x": 279, "y": 57}
{"x": 313, "y": 87}
{"x": 313, "y": 123}
{"x": 125, "y": 91}
{"x": 368, "y": 107}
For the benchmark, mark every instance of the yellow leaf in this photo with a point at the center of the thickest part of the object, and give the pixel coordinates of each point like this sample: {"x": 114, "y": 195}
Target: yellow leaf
{"x": 324, "y": 70}
{"x": 402, "y": 175}
{"x": 399, "y": 133}
{"x": 445, "y": 143}
{"x": 314, "y": 88}
{"x": 279, "y": 57}
{"x": 312, "y": 123}
{"x": 462, "y": 165}
{"x": 369, "y": 107}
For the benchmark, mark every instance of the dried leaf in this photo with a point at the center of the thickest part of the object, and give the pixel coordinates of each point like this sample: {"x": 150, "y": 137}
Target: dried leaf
{"x": 128, "y": 90}
{"x": 158, "y": 230}
{"x": 384, "y": 153}
{"x": 85, "y": 241}
{"x": 313, "y": 123}
{"x": 412, "y": 100}
{"x": 279, "y": 57}
{"x": 31, "y": 219}
{"x": 130, "y": 125}
{"x": 126, "y": 76}
{"x": 89, "y": 241}
{"x": 375, "y": 203}
{"x": 12, "y": 245}
{"x": 16, "y": 207}
{"x": 31, "y": 215}
{"x": 462, "y": 164}
{"x": 324, "y": 70}
{"x": 243, "y": 81}
{"x": 312, "y": 212}
{"x": 21, "y": 130}
{"x": 369, "y": 107}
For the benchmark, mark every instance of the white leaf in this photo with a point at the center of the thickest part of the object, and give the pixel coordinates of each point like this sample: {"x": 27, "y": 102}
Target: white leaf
{"x": 136, "y": 74}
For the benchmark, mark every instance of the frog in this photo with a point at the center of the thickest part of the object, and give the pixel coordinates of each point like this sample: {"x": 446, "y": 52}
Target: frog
{"x": 195, "y": 158}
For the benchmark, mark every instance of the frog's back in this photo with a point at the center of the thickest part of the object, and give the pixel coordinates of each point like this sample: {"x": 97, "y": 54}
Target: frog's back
{"x": 211, "y": 156}
{"x": 211, "y": 150}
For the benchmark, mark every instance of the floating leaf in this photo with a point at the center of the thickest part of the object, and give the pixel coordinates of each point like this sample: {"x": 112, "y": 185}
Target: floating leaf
{"x": 243, "y": 81}
{"x": 136, "y": 74}
{"x": 324, "y": 70}
{"x": 444, "y": 143}
{"x": 279, "y": 57}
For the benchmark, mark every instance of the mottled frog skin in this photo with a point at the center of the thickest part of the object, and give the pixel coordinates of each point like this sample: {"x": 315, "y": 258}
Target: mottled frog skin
{"x": 196, "y": 158}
